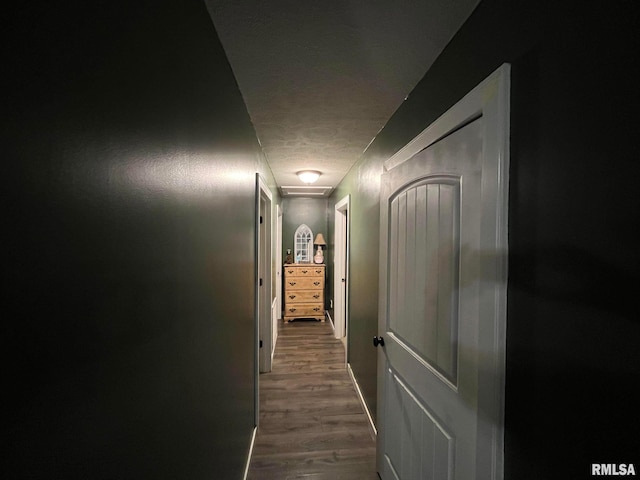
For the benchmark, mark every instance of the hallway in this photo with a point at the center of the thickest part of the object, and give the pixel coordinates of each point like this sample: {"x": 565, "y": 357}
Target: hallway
{"x": 312, "y": 425}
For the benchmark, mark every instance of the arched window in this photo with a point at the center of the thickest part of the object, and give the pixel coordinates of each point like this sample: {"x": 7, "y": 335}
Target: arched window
{"x": 303, "y": 243}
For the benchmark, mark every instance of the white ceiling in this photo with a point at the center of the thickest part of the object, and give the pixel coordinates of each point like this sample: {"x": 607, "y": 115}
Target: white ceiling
{"x": 321, "y": 78}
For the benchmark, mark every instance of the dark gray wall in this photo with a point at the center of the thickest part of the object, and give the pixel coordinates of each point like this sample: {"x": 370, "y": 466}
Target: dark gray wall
{"x": 573, "y": 328}
{"x": 128, "y": 178}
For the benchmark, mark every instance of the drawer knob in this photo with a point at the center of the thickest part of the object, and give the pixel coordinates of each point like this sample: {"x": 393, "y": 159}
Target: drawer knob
{"x": 316, "y": 309}
{"x": 317, "y": 295}
{"x": 292, "y": 283}
{"x": 292, "y": 297}
{"x": 292, "y": 310}
{"x": 305, "y": 271}
{"x": 318, "y": 271}
{"x": 316, "y": 283}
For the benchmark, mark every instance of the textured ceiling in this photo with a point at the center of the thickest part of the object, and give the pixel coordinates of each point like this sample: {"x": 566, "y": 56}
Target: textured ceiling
{"x": 320, "y": 79}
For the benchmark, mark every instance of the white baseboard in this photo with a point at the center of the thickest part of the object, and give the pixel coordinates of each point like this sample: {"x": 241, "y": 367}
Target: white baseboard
{"x": 274, "y": 326}
{"x": 330, "y": 321}
{"x": 253, "y": 441}
{"x": 372, "y": 427}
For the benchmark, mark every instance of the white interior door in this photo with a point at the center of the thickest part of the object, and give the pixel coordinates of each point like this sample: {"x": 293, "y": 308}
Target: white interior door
{"x": 443, "y": 295}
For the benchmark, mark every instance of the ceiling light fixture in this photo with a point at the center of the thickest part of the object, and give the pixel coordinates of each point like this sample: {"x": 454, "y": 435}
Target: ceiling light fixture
{"x": 308, "y": 176}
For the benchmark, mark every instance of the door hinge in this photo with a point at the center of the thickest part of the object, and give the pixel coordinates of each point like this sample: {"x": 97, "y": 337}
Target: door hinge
{"x": 261, "y": 219}
{"x": 260, "y": 343}
{"x": 260, "y": 282}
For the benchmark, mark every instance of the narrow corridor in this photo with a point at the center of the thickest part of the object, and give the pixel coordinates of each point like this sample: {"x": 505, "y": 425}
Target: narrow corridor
{"x": 312, "y": 425}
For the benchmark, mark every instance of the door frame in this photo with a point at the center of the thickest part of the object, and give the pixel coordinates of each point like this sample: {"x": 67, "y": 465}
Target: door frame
{"x": 490, "y": 99}
{"x": 278, "y": 278}
{"x": 341, "y": 270}
{"x": 263, "y": 293}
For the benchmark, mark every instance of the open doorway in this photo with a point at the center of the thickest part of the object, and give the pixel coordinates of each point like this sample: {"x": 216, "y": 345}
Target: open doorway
{"x": 341, "y": 272}
{"x": 277, "y": 314}
{"x": 264, "y": 326}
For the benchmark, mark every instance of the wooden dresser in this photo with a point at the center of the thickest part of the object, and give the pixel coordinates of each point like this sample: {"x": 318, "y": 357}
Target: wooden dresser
{"x": 304, "y": 291}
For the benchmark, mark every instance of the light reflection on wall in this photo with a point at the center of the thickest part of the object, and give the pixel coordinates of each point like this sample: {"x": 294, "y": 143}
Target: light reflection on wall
{"x": 183, "y": 174}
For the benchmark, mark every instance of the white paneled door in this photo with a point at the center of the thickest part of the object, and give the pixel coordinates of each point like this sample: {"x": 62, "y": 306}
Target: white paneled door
{"x": 443, "y": 295}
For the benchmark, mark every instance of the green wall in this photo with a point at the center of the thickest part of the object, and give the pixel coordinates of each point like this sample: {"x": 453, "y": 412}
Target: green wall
{"x": 296, "y": 211}
{"x": 313, "y": 213}
{"x": 362, "y": 183}
{"x": 129, "y": 191}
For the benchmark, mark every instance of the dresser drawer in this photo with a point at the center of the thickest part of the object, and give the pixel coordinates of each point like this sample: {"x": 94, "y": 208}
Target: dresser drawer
{"x": 304, "y": 310}
{"x": 304, "y": 271}
{"x": 303, "y": 296}
{"x": 304, "y": 283}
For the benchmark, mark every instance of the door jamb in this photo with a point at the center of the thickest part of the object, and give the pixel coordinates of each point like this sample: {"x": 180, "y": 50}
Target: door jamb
{"x": 263, "y": 262}
{"x": 278, "y": 277}
{"x": 341, "y": 270}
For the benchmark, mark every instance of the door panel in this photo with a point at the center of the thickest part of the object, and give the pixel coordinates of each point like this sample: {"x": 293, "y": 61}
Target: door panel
{"x": 424, "y": 253}
{"x": 420, "y": 447}
{"x": 442, "y": 284}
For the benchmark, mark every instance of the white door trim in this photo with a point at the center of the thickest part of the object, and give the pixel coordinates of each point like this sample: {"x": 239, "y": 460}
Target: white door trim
{"x": 490, "y": 99}
{"x": 277, "y": 306}
{"x": 263, "y": 270}
{"x": 252, "y": 443}
{"x": 341, "y": 268}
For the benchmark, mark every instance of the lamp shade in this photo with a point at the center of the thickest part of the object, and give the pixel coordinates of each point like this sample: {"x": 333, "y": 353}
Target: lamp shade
{"x": 319, "y": 240}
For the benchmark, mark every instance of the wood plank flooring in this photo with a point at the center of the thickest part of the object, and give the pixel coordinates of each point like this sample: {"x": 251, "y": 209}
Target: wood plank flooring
{"x": 312, "y": 425}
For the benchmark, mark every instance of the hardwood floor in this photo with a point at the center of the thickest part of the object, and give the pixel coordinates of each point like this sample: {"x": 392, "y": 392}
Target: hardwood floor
{"x": 312, "y": 425}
